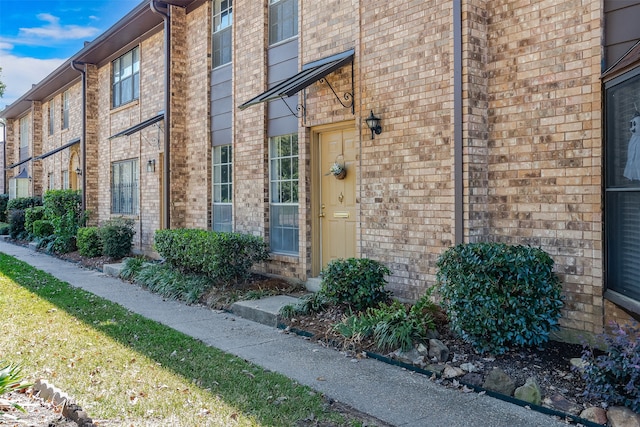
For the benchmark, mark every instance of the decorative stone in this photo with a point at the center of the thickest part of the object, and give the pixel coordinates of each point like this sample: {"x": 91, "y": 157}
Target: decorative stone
{"x": 452, "y": 372}
{"x": 473, "y": 379}
{"x": 562, "y": 404}
{"x": 412, "y": 357}
{"x": 469, "y": 367}
{"x": 529, "y": 392}
{"x": 620, "y": 416}
{"x": 497, "y": 380}
{"x": 578, "y": 363}
{"x": 595, "y": 414}
{"x": 422, "y": 349}
{"x": 438, "y": 350}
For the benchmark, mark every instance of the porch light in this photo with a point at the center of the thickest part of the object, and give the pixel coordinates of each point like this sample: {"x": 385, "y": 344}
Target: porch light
{"x": 151, "y": 165}
{"x": 374, "y": 124}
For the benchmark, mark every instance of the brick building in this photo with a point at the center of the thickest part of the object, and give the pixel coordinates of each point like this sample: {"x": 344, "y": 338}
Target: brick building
{"x": 498, "y": 121}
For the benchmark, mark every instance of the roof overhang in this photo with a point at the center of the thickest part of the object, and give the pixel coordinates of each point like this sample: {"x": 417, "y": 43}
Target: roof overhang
{"x": 311, "y": 73}
{"x": 19, "y": 163}
{"x": 139, "y": 126}
{"x": 57, "y": 150}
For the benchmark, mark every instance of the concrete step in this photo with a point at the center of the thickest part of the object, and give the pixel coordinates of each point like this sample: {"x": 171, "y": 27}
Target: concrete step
{"x": 263, "y": 310}
{"x": 112, "y": 269}
{"x": 313, "y": 284}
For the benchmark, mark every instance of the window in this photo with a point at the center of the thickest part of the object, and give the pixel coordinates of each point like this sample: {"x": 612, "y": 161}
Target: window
{"x": 283, "y": 20}
{"x": 222, "y": 188}
{"x": 65, "y": 110}
{"x": 65, "y": 180}
{"x": 52, "y": 181}
{"x": 124, "y": 187}
{"x": 52, "y": 117}
{"x": 222, "y": 36}
{"x": 24, "y": 138}
{"x": 622, "y": 185}
{"x": 284, "y": 227}
{"x": 126, "y": 78}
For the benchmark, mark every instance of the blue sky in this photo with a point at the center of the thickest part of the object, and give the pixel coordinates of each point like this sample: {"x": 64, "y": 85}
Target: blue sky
{"x": 37, "y": 36}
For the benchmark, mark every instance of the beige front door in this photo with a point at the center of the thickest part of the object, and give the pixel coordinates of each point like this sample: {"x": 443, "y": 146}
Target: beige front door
{"x": 337, "y": 196}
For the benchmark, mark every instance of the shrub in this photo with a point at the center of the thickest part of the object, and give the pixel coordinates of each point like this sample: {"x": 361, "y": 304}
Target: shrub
{"x": 89, "y": 242}
{"x": 4, "y": 200}
{"x": 498, "y": 296}
{"x": 16, "y": 223}
{"x": 393, "y": 325}
{"x": 614, "y": 377}
{"x": 23, "y": 203}
{"x": 42, "y": 228}
{"x": 31, "y": 215}
{"x": 117, "y": 237}
{"x": 131, "y": 267}
{"x": 223, "y": 257}
{"x": 170, "y": 283}
{"x": 357, "y": 282}
{"x": 4, "y": 229}
{"x": 63, "y": 208}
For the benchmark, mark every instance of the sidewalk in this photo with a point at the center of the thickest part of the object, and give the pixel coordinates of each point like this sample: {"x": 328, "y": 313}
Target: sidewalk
{"x": 389, "y": 393}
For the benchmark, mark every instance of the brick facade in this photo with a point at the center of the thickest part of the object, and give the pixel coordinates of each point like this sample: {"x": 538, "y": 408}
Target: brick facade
{"x": 530, "y": 125}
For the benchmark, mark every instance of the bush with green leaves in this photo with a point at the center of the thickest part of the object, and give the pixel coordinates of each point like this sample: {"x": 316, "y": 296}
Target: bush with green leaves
{"x": 498, "y": 296}
{"x": 31, "y": 215}
{"x": 64, "y": 209}
{"x": 89, "y": 242}
{"x": 168, "y": 282}
{"x": 117, "y": 237}
{"x": 614, "y": 377}
{"x": 392, "y": 325}
{"x": 4, "y": 229}
{"x": 16, "y": 224}
{"x": 4, "y": 200}
{"x": 226, "y": 258}
{"x": 23, "y": 203}
{"x": 131, "y": 267}
{"x": 42, "y": 228}
{"x": 357, "y": 282}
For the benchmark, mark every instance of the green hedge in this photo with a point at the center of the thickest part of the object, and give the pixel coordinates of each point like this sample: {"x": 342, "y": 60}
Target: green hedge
{"x": 498, "y": 296}
{"x": 31, "y": 215}
{"x": 117, "y": 237}
{"x": 89, "y": 242}
{"x": 225, "y": 257}
{"x": 42, "y": 228}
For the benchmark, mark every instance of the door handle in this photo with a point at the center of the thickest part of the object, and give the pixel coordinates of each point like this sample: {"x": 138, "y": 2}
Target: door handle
{"x": 321, "y": 212}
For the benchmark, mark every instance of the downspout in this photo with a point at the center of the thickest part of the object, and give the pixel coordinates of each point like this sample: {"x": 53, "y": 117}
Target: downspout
{"x": 83, "y": 143}
{"x": 162, "y": 9}
{"x": 457, "y": 124}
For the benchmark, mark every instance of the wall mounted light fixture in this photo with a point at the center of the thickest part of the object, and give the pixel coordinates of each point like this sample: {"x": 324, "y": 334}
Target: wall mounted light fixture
{"x": 151, "y": 165}
{"x": 78, "y": 171}
{"x": 374, "y": 124}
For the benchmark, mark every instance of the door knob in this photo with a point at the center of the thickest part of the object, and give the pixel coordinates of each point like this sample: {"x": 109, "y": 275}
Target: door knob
{"x": 321, "y": 211}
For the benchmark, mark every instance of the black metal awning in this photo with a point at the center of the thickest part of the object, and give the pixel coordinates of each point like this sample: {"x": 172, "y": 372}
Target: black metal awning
{"x": 139, "y": 126}
{"x": 310, "y": 74}
{"x": 57, "y": 150}
{"x": 19, "y": 163}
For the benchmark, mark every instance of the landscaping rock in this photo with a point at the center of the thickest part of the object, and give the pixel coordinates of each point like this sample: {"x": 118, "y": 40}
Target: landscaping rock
{"x": 438, "y": 350}
{"x": 529, "y": 392}
{"x": 620, "y": 416}
{"x": 497, "y": 380}
{"x": 594, "y": 414}
{"x": 410, "y": 357}
{"x": 473, "y": 379}
{"x": 469, "y": 367}
{"x": 452, "y": 372}
{"x": 578, "y": 363}
{"x": 561, "y": 403}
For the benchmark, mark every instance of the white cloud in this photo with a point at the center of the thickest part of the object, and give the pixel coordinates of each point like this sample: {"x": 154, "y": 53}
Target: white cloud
{"x": 54, "y": 31}
{"x": 22, "y": 73}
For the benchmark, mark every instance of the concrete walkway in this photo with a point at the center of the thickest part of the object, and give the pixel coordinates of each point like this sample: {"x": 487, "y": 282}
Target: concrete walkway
{"x": 389, "y": 393}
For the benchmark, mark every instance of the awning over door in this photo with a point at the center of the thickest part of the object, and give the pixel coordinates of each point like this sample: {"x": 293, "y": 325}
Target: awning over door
{"x": 139, "y": 126}
{"x": 310, "y": 74}
{"x": 57, "y": 150}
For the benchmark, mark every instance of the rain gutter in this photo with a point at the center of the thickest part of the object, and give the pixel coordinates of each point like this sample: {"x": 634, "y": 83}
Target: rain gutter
{"x": 83, "y": 140}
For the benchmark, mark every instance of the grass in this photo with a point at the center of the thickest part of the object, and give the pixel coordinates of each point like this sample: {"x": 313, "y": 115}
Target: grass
{"x": 121, "y": 366}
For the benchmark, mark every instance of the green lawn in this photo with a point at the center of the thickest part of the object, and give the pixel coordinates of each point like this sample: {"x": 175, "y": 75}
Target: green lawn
{"x": 120, "y": 366}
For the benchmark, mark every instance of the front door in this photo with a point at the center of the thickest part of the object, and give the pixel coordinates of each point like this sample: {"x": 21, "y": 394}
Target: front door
{"x": 337, "y": 196}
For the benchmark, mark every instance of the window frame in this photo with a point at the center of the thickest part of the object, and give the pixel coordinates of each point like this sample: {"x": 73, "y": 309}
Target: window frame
{"x": 125, "y": 201}
{"x": 122, "y": 78}
{"x": 52, "y": 116}
{"x": 222, "y": 34}
{"x": 284, "y": 197}
{"x": 279, "y": 22}
{"x": 222, "y": 184}
{"x": 65, "y": 179}
{"x": 25, "y": 130}
{"x": 65, "y": 109}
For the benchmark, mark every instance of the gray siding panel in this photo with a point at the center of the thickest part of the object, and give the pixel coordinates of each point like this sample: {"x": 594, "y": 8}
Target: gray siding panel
{"x": 283, "y": 63}
{"x": 221, "y": 106}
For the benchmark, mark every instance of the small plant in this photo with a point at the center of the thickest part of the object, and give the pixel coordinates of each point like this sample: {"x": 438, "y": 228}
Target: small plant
{"x": 117, "y": 237}
{"x": 338, "y": 170}
{"x": 16, "y": 223}
{"x": 11, "y": 380}
{"x": 42, "y": 228}
{"x": 313, "y": 303}
{"x": 31, "y": 215}
{"x": 89, "y": 242}
{"x": 357, "y": 282}
{"x": 170, "y": 283}
{"x": 131, "y": 267}
{"x": 498, "y": 296}
{"x": 614, "y": 377}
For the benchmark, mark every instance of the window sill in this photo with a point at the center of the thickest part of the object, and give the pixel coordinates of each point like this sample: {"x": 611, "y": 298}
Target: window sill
{"x": 623, "y": 301}
{"x": 293, "y": 259}
{"x": 129, "y": 104}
